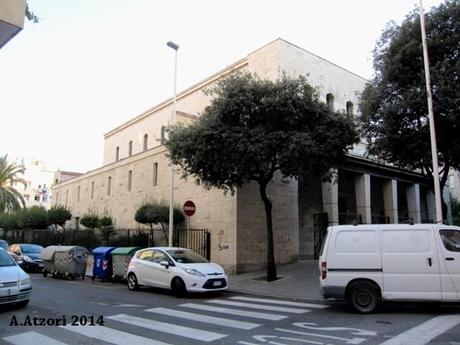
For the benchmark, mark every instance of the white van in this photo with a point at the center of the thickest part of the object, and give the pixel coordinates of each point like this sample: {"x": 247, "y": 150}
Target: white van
{"x": 366, "y": 264}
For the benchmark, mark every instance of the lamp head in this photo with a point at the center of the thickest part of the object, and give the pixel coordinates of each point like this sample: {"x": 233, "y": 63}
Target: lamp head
{"x": 172, "y": 45}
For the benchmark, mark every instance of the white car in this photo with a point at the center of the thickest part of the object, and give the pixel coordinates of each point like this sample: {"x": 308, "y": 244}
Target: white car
{"x": 15, "y": 284}
{"x": 179, "y": 269}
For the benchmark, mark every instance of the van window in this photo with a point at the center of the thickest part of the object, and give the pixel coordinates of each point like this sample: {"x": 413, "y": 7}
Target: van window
{"x": 451, "y": 240}
{"x": 362, "y": 241}
{"x": 406, "y": 241}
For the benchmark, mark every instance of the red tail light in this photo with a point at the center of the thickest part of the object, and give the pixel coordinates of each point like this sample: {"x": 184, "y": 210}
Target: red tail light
{"x": 323, "y": 270}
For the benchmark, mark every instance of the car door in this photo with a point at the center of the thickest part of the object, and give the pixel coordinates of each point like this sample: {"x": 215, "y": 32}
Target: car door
{"x": 449, "y": 243}
{"x": 160, "y": 275}
{"x": 142, "y": 269}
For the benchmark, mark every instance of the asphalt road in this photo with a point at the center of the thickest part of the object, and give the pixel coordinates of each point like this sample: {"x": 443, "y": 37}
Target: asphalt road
{"x": 155, "y": 317}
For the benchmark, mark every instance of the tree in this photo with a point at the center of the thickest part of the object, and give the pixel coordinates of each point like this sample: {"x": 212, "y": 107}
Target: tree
{"x": 152, "y": 213}
{"x": 35, "y": 217}
{"x": 106, "y": 227}
{"x": 9, "y": 221}
{"x": 10, "y": 198}
{"x": 90, "y": 220}
{"x": 58, "y": 215}
{"x": 255, "y": 128}
{"x": 394, "y": 105}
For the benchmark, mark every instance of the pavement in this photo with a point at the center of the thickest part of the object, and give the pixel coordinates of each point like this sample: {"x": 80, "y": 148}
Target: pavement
{"x": 298, "y": 281}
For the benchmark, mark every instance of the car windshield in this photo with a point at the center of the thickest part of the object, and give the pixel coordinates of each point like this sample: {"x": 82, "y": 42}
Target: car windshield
{"x": 4, "y": 245}
{"x": 31, "y": 248}
{"x": 186, "y": 256}
{"x": 6, "y": 259}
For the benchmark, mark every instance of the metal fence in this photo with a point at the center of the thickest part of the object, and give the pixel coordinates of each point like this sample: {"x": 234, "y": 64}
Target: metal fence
{"x": 198, "y": 240}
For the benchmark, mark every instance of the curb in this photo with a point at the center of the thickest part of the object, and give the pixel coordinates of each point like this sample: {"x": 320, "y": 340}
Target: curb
{"x": 294, "y": 299}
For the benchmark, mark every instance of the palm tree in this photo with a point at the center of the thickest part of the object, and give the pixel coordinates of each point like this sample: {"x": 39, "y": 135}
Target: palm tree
{"x": 10, "y": 198}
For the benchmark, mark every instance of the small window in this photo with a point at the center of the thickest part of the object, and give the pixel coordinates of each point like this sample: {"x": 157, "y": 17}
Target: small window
{"x": 117, "y": 154}
{"x": 66, "y": 196}
{"x": 451, "y": 240}
{"x": 78, "y": 193}
{"x": 37, "y": 197}
{"x": 155, "y": 173}
{"x": 146, "y": 142}
{"x": 130, "y": 148}
{"x": 130, "y": 180}
{"x": 349, "y": 108}
{"x": 92, "y": 190}
{"x": 44, "y": 198}
{"x": 163, "y": 133}
{"x": 109, "y": 185}
{"x": 330, "y": 101}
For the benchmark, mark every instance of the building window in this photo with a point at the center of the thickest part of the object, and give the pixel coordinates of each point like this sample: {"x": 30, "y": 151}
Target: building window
{"x": 330, "y": 101}
{"x": 37, "y": 197}
{"x": 117, "y": 154}
{"x": 44, "y": 198}
{"x": 57, "y": 197}
{"x": 78, "y": 193}
{"x": 92, "y": 190}
{"x": 349, "y": 108}
{"x": 146, "y": 141}
{"x": 109, "y": 185}
{"x": 155, "y": 173}
{"x": 130, "y": 180}
{"x": 130, "y": 148}
{"x": 163, "y": 131}
{"x": 66, "y": 197}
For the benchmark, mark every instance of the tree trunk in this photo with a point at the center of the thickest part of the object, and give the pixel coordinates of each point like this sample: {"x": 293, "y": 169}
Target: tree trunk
{"x": 271, "y": 266}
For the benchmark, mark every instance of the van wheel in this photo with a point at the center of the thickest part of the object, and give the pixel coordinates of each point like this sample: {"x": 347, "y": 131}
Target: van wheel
{"x": 45, "y": 273}
{"x": 364, "y": 298}
{"x": 178, "y": 287}
{"x": 132, "y": 282}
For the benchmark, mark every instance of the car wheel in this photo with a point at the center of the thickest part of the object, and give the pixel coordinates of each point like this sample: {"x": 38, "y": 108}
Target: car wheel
{"x": 45, "y": 273}
{"x": 178, "y": 287}
{"x": 22, "y": 304}
{"x": 364, "y": 298}
{"x": 132, "y": 282}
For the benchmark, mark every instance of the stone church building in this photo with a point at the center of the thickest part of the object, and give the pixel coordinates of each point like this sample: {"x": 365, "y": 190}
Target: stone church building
{"x": 135, "y": 169}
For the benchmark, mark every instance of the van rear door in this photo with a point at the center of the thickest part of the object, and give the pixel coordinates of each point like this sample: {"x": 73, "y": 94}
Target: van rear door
{"x": 449, "y": 244}
{"x": 410, "y": 263}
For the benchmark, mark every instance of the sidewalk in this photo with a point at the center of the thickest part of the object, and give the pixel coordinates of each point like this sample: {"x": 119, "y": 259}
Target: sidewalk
{"x": 299, "y": 281}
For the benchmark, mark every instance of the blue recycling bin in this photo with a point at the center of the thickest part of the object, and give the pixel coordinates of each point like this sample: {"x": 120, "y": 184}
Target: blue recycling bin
{"x": 102, "y": 267}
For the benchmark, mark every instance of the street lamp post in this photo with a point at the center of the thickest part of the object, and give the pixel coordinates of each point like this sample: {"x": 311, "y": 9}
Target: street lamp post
{"x": 172, "y": 122}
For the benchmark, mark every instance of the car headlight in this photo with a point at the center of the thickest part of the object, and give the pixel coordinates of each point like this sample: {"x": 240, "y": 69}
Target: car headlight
{"x": 26, "y": 258}
{"x": 26, "y": 281}
{"x": 194, "y": 272}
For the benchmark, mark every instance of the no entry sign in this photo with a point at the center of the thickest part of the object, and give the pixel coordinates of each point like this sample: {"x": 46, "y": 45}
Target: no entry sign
{"x": 189, "y": 208}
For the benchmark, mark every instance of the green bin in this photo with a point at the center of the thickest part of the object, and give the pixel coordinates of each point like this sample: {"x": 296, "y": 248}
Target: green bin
{"x": 120, "y": 260}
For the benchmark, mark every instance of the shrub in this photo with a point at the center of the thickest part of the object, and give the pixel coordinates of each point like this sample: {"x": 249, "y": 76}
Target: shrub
{"x": 90, "y": 220}
{"x": 35, "y": 217}
{"x": 9, "y": 221}
{"x": 58, "y": 215}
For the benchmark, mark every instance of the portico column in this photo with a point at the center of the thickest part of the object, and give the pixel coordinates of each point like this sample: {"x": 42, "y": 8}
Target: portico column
{"x": 363, "y": 197}
{"x": 330, "y": 192}
{"x": 413, "y": 202}
{"x": 390, "y": 200}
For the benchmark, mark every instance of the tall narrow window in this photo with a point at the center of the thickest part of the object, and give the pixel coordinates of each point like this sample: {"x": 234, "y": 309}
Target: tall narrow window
{"x": 66, "y": 197}
{"x": 130, "y": 180}
{"x": 330, "y": 101}
{"x": 92, "y": 190}
{"x": 130, "y": 149}
{"x": 163, "y": 130}
{"x": 78, "y": 193}
{"x": 146, "y": 141}
{"x": 349, "y": 108}
{"x": 155, "y": 173}
{"x": 117, "y": 154}
{"x": 109, "y": 185}
{"x": 57, "y": 198}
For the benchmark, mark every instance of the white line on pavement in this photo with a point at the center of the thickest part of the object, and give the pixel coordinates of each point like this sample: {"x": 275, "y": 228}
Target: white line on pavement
{"x": 31, "y": 338}
{"x": 274, "y": 301}
{"x": 425, "y": 332}
{"x": 230, "y": 311}
{"x": 182, "y": 331}
{"x": 110, "y": 335}
{"x": 204, "y": 318}
{"x": 259, "y": 306}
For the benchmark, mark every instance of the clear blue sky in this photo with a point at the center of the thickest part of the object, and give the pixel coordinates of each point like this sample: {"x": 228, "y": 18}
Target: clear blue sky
{"x": 90, "y": 65}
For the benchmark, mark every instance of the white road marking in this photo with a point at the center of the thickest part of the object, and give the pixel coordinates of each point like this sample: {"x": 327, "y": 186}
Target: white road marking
{"x": 425, "y": 332}
{"x": 260, "y": 306}
{"x": 251, "y": 314}
{"x": 110, "y": 335}
{"x": 204, "y": 318}
{"x": 354, "y": 341}
{"x": 31, "y": 338}
{"x": 182, "y": 331}
{"x": 274, "y": 301}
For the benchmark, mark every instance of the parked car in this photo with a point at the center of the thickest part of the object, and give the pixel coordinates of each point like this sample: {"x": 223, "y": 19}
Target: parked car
{"x": 367, "y": 264}
{"x": 178, "y": 269}
{"x": 15, "y": 284}
{"x": 3, "y": 244}
{"x": 28, "y": 256}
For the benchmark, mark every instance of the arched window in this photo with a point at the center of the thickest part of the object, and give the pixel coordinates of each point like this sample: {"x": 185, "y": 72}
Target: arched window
{"x": 330, "y": 101}
{"x": 146, "y": 141}
{"x": 130, "y": 148}
{"x": 350, "y": 108}
{"x": 117, "y": 154}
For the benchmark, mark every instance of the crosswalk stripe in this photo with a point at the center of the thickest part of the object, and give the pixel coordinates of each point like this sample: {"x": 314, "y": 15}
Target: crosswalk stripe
{"x": 31, "y": 338}
{"x": 110, "y": 335}
{"x": 274, "y": 301}
{"x": 186, "y": 332}
{"x": 245, "y": 313}
{"x": 260, "y": 306}
{"x": 204, "y": 318}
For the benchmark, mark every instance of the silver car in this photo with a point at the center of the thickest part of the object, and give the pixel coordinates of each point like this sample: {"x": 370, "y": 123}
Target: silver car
{"x": 15, "y": 284}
